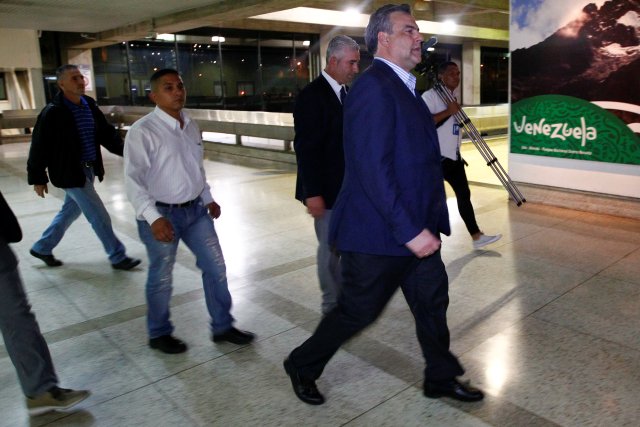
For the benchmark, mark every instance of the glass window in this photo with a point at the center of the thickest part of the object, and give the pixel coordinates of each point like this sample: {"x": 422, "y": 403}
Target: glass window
{"x": 111, "y": 75}
{"x": 245, "y": 89}
{"x": 443, "y": 52}
{"x": 3, "y": 88}
{"x": 494, "y": 75}
{"x": 221, "y": 68}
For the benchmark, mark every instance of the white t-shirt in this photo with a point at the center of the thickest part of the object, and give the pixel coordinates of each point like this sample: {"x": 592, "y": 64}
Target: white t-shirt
{"x": 449, "y": 133}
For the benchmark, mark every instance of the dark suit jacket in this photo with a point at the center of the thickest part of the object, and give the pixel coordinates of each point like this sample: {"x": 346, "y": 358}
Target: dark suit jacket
{"x": 318, "y": 142}
{"x": 56, "y": 146}
{"x": 9, "y": 227}
{"x": 393, "y": 186}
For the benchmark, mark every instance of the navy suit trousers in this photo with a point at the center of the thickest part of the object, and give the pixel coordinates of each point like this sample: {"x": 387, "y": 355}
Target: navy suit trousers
{"x": 369, "y": 283}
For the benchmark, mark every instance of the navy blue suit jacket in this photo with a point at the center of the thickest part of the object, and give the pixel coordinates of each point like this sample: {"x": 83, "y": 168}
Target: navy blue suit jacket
{"x": 393, "y": 186}
{"x": 318, "y": 142}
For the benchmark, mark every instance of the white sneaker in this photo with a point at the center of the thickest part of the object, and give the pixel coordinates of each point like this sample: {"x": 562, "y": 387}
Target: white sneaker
{"x": 485, "y": 240}
{"x": 56, "y": 398}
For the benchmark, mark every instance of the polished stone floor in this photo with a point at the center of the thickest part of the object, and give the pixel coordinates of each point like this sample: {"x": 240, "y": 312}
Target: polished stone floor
{"x": 546, "y": 321}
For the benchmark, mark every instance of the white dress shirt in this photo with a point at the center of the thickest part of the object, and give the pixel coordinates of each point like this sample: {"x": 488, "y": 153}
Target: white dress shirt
{"x": 333, "y": 83}
{"x": 163, "y": 163}
{"x": 407, "y": 78}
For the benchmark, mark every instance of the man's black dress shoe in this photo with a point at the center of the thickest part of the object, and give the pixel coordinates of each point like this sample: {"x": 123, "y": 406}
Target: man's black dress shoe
{"x": 50, "y": 260}
{"x": 454, "y": 389}
{"x": 305, "y": 389}
{"x": 234, "y": 336}
{"x": 168, "y": 344}
{"x": 126, "y": 264}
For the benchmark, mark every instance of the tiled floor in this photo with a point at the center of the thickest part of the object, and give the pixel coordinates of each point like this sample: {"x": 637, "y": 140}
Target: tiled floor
{"x": 545, "y": 321}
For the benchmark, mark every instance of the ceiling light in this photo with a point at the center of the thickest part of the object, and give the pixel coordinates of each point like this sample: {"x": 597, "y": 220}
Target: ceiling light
{"x": 166, "y": 37}
{"x": 449, "y": 26}
{"x": 352, "y": 12}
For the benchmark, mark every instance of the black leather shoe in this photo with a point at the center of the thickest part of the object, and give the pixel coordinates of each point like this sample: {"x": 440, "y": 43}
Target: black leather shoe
{"x": 126, "y": 264}
{"x": 454, "y": 389}
{"x": 168, "y": 344}
{"x": 305, "y": 389}
{"x": 50, "y": 260}
{"x": 234, "y": 336}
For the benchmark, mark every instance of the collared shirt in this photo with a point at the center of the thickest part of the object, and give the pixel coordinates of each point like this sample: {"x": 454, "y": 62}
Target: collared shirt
{"x": 163, "y": 163}
{"x": 408, "y": 78}
{"x": 334, "y": 84}
{"x": 86, "y": 127}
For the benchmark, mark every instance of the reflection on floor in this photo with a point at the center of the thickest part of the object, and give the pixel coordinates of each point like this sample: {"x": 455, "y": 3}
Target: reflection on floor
{"x": 545, "y": 321}
{"x": 478, "y": 171}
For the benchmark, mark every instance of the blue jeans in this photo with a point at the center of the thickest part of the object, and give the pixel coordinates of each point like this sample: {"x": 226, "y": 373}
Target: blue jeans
{"x": 194, "y": 227}
{"x": 85, "y": 200}
{"x": 26, "y": 347}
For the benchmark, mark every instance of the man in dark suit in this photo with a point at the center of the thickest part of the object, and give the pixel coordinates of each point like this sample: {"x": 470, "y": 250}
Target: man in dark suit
{"x": 318, "y": 144}
{"x": 388, "y": 216}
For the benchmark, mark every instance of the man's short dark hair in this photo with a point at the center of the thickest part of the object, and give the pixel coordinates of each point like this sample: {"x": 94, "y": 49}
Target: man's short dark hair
{"x": 63, "y": 69}
{"x": 442, "y": 68}
{"x": 161, "y": 73}
{"x": 379, "y": 21}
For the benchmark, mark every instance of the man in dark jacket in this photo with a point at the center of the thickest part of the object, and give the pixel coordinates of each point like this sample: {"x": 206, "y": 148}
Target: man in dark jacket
{"x": 22, "y": 337}
{"x": 66, "y": 143}
{"x": 318, "y": 144}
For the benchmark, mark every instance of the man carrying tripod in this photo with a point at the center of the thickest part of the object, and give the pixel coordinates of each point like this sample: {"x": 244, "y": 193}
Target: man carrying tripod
{"x": 452, "y": 163}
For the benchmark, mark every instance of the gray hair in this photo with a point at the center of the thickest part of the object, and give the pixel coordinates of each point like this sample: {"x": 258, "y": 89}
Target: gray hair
{"x": 340, "y": 43}
{"x": 380, "y": 22}
{"x": 63, "y": 69}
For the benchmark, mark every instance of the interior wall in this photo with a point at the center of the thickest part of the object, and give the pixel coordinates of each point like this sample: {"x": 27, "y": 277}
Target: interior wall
{"x": 20, "y": 61}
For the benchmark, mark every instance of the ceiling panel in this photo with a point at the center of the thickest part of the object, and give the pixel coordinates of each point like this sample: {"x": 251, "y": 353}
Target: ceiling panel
{"x": 87, "y": 16}
{"x": 106, "y": 22}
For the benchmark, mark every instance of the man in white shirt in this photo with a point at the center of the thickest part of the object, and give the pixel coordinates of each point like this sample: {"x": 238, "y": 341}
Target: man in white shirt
{"x": 166, "y": 183}
{"x": 450, "y": 139}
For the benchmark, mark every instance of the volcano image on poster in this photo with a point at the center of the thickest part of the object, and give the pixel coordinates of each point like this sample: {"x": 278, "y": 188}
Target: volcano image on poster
{"x": 592, "y": 54}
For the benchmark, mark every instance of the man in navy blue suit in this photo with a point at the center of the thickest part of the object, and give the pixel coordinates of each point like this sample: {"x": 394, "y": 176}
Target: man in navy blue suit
{"x": 389, "y": 215}
{"x": 318, "y": 144}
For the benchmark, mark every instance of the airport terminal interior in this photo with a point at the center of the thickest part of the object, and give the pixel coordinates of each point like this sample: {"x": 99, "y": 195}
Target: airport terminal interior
{"x": 545, "y": 320}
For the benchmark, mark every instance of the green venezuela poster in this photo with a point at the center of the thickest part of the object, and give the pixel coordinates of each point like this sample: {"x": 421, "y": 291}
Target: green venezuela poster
{"x": 575, "y": 79}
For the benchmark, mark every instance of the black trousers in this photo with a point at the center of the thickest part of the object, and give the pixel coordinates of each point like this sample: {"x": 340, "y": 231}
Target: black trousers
{"x": 369, "y": 283}
{"x": 454, "y": 174}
